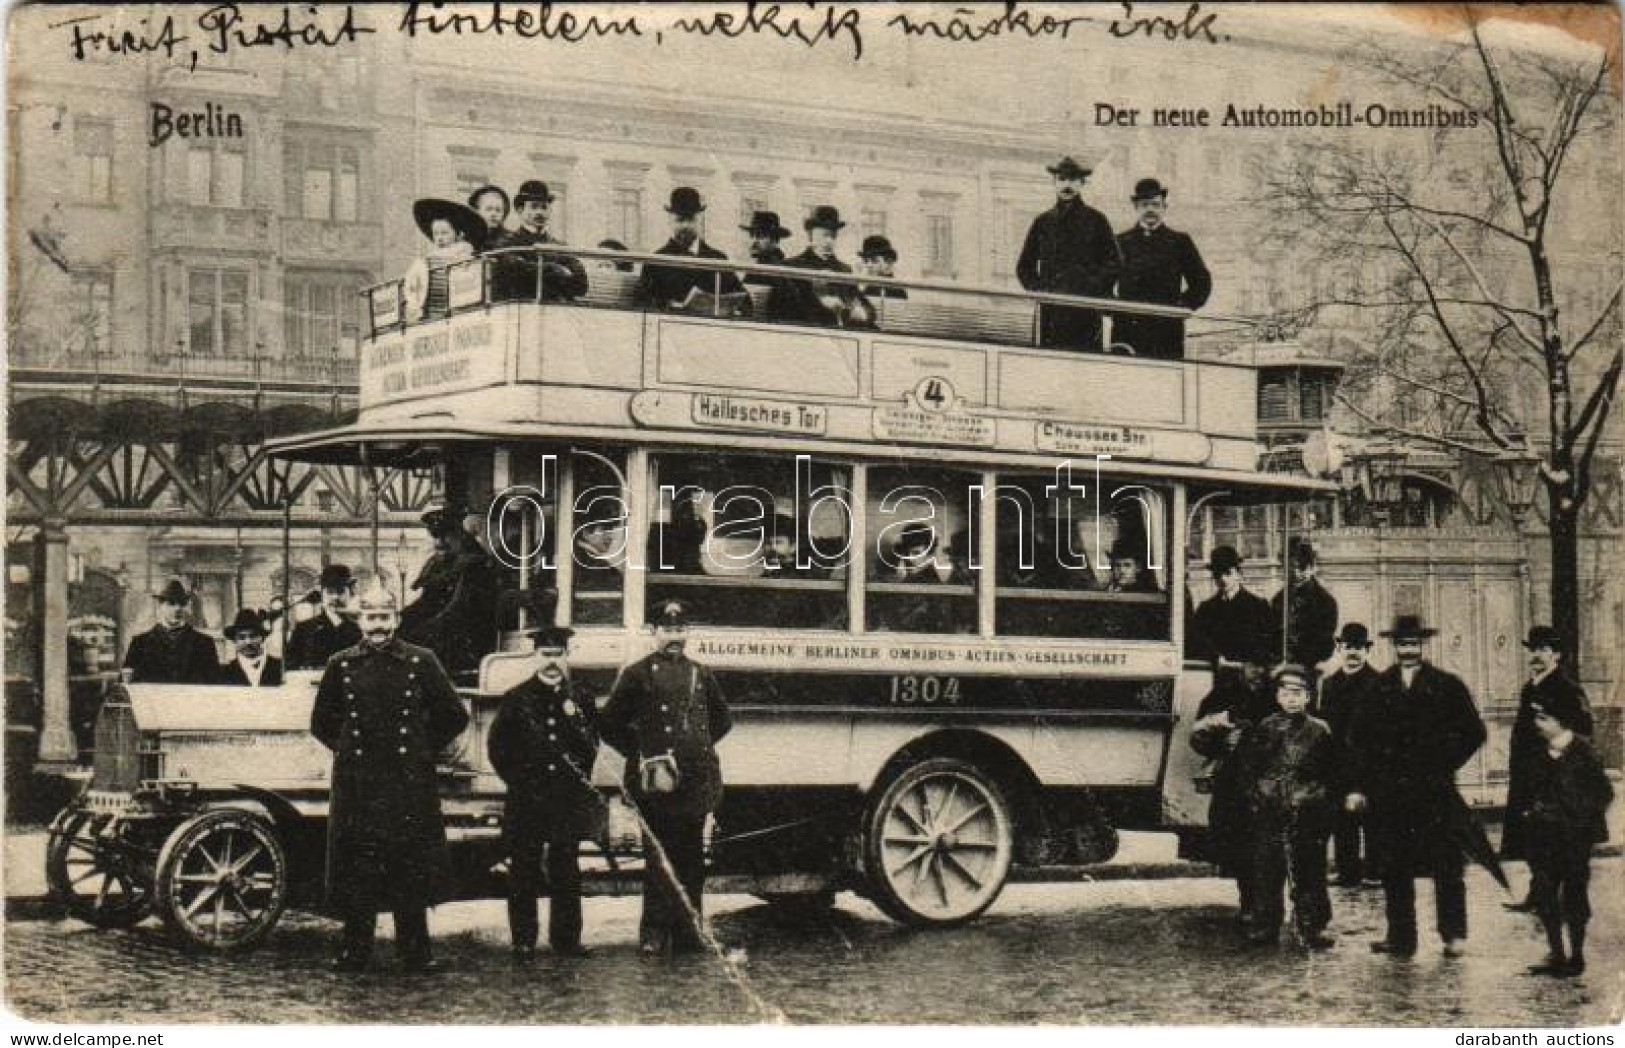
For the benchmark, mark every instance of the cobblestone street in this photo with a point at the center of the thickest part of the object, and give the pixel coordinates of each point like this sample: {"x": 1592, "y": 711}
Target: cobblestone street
{"x": 1119, "y": 952}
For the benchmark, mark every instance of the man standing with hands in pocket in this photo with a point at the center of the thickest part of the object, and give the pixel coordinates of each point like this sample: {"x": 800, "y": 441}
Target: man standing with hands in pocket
{"x": 543, "y": 744}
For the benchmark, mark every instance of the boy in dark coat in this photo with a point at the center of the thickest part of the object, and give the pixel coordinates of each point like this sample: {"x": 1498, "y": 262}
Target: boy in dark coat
{"x": 543, "y": 745}
{"x": 667, "y": 713}
{"x": 1226, "y": 716}
{"x": 1289, "y": 763}
{"x": 1568, "y": 799}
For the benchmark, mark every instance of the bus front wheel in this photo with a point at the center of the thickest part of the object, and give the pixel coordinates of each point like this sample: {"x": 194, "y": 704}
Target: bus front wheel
{"x": 937, "y": 843}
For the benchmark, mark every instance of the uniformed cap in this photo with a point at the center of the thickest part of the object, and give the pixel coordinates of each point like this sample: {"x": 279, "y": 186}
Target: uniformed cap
{"x": 1291, "y": 671}
{"x": 552, "y": 638}
{"x": 671, "y": 616}
{"x": 378, "y": 597}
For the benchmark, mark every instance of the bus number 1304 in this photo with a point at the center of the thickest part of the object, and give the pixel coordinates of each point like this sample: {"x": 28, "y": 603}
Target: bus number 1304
{"x": 910, "y": 690}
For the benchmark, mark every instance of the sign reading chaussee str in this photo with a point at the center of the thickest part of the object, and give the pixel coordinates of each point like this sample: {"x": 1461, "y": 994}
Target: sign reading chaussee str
{"x": 1070, "y": 438}
{"x": 770, "y": 416}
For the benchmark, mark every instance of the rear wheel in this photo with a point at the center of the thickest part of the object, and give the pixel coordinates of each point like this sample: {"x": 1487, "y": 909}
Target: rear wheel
{"x": 222, "y": 880}
{"x": 937, "y": 843}
{"x": 92, "y": 874}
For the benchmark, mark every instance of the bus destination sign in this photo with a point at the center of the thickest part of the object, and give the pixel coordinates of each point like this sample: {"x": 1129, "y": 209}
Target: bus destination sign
{"x": 768, "y": 416}
{"x": 440, "y": 358}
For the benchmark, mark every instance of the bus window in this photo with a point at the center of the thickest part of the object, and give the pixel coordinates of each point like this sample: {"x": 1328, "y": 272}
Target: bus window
{"x": 521, "y": 532}
{"x": 598, "y": 539}
{"x": 919, "y": 553}
{"x": 742, "y": 541}
{"x": 1078, "y": 564}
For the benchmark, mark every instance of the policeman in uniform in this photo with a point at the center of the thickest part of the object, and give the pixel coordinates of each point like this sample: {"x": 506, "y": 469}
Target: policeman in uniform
{"x": 665, "y": 716}
{"x": 542, "y": 743}
{"x": 386, "y": 709}
{"x": 172, "y": 652}
{"x": 331, "y": 629}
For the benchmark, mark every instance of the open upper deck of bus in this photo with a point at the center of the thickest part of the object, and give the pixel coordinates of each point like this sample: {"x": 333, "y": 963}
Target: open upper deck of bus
{"x": 949, "y": 371}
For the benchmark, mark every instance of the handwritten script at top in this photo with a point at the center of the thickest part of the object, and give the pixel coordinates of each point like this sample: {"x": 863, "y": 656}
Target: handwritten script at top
{"x": 225, "y": 28}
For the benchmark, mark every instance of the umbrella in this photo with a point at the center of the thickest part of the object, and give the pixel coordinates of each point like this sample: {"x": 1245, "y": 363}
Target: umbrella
{"x": 1465, "y": 828}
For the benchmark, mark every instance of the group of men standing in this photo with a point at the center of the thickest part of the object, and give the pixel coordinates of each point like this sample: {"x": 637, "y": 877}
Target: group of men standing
{"x": 1378, "y": 757}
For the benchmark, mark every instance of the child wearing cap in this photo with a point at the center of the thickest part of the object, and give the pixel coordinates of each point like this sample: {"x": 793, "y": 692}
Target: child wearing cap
{"x": 1568, "y": 799}
{"x": 1290, "y": 764}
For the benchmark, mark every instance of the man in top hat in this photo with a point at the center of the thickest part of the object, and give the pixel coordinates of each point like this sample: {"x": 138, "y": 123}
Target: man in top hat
{"x": 666, "y": 715}
{"x": 669, "y": 287}
{"x": 877, "y": 258}
{"x": 1343, "y": 695}
{"x": 1235, "y": 620}
{"x": 491, "y": 204}
{"x": 1162, "y": 267}
{"x": 765, "y": 234}
{"x": 562, "y": 277}
{"x": 172, "y": 652}
{"x": 1310, "y": 620}
{"x": 542, "y": 743}
{"x": 1554, "y": 691}
{"x": 1406, "y": 747}
{"x": 1070, "y": 250}
{"x": 250, "y": 667}
{"x": 331, "y": 629}
{"x": 386, "y": 709}
{"x": 814, "y": 301}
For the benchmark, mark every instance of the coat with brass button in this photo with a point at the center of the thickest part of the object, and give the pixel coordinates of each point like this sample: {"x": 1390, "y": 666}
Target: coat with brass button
{"x": 543, "y": 744}
{"x": 667, "y": 704}
{"x": 386, "y": 713}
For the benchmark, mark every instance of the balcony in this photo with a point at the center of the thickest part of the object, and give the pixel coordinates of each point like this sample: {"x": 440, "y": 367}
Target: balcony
{"x": 36, "y": 360}
{"x": 205, "y": 228}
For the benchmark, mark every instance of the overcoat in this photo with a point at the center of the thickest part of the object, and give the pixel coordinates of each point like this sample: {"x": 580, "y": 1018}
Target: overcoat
{"x": 1230, "y": 821}
{"x": 436, "y": 581}
{"x": 798, "y": 300}
{"x": 1311, "y": 634}
{"x": 463, "y": 630}
{"x": 543, "y": 744}
{"x": 1405, "y": 748}
{"x": 1289, "y": 764}
{"x": 270, "y": 675}
{"x": 180, "y": 656}
{"x": 1342, "y": 696}
{"x": 1558, "y": 695}
{"x": 1162, "y": 267}
{"x": 317, "y": 639}
{"x": 660, "y": 286}
{"x": 386, "y": 713}
{"x": 665, "y": 704}
{"x": 1232, "y": 626}
{"x": 1566, "y": 803}
{"x": 1070, "y": 250}
{"x": 515, "y": 276}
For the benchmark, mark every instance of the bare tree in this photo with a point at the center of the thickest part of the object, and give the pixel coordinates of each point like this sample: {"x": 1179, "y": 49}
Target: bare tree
{"x": 1463, "y": 307}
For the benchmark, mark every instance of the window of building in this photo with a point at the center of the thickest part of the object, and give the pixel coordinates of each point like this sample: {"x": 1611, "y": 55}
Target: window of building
{"x": 93, "y": 299}
{"x": 217, "y": 311}
{"x": 919, "y": 554}
{"x": 93, "y": 161}
{"x": 321, "y": 313}
{"x": 322, "y": 180}
{"x": 1247, "y": 528}
{"x": 1082, "y": 562}
{"x": 872, "y": 222}
{"x": 626, "y": 216}
{"x": 939, "y": 245}
{"x": 725, "y": 538}
{"x": 215, "y": 174}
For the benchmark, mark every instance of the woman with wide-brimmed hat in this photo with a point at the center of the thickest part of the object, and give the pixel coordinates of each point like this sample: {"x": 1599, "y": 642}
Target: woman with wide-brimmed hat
{"x": 455, "y": 233}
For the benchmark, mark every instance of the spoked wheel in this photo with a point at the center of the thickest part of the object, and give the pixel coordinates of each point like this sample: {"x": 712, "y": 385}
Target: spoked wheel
{"x": 938, "y": 843}
{"x": 222, "y": 880}
{"x": 92, "y": 875}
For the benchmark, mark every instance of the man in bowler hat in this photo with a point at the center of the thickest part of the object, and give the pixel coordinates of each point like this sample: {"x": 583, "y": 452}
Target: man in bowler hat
{"x": 1234, "y": 621}
{"x": 386, "y": 709}
{"x": 1551, "y": 689}
{"x": 1070, "y": 250}
{"x": 878, "y": 259}
{"x": 1343, "y": 694}
{"x": 331, "y": 629}
{"x": 250, "y": 666}
{"x": 562, "y": 277}
{"x": 765, "y": 234}
{"x": 543, "y": 744}
{"x": 172, "y": 652}
{"x": 1406, "y": 747}
{"x": 1309, "y": 620}
{"x": 814, "y": 301}
{"x": 668, "y": 287}
{"x": 665, "y": 715}
{"x": 1160, "y": 266}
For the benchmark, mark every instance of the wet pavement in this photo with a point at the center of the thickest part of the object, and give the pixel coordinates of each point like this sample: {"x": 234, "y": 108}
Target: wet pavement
{"x": 1119, "y": 952}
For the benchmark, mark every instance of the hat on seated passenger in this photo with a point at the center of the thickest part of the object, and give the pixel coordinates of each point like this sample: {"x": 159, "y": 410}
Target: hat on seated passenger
{"x": 336, "y": 577}
{"x": 825, "y": 216}
{"x": 685, "y": 202}
{"x": 877, "y": 246}
{"x": 766, "y": 224}
{"x": 1223, "y": 559}
{"x": 532, "y": 190}
{"x": 464, "y": 220}
{"x": 247, "y": 621}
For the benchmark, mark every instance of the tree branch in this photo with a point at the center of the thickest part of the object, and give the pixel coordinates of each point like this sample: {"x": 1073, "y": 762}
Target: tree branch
{"x": 1380, "y": 426}
{"x": 1613, "y": 301}
{"x": 1599, "y": 398}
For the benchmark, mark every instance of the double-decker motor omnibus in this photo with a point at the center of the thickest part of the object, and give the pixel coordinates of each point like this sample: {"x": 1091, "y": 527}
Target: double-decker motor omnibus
{"x": 891, "y": 538}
